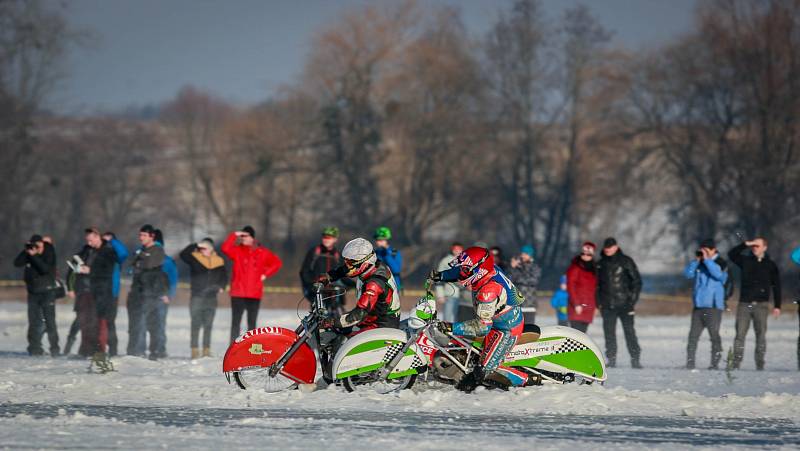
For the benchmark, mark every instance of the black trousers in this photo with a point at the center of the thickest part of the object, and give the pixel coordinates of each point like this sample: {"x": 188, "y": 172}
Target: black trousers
{"x": 202, "y": 310}
{"x": 42, "y": 317}
{"x": 238, "y": 307}
{"x": 610, "y": 331}
{"x": 113, "y": 341}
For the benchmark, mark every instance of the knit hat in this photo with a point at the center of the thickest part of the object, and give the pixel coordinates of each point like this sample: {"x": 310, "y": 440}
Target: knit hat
{"x": 589, "y": 244}
{"x": 249, "y": 230}
{"x": 528, "y": 249}
{"x": 708, "y": 243}
{"x": 610, "y": 241}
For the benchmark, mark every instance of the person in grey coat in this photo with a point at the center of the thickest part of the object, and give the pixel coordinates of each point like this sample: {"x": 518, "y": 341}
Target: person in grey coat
{"x": 149, "y": 288}
{"x": 526, "y": 275}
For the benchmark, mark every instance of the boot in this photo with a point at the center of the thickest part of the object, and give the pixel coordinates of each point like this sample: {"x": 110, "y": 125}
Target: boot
{"x": 206, "y": 352}
{"x": 636, "y": 364}
{"x": 195, "y": 353}
{"x": 101, "y": 363}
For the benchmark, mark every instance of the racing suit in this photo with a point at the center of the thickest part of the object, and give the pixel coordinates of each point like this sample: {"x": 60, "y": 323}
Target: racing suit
{"x": 378, "y": 300}
{"x": 498, "y": 319}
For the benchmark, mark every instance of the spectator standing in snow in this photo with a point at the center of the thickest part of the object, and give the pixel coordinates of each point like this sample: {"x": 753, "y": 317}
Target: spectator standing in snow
{"x": 122, "y": 255}
{"x": 560, "y": 301}
{"x": 252, "y": 264}
{"x": 709, "y": 272}
{"x": 93, "y": 284}
{"x": 39, "y": 260}
{"x": 170, "y": 269}
{"x": 208, "y": 279}
{"x": 448, "y": 294}
{"x": 389, "y": 255}
{"x": 582, "y": 288}
{"x": 619, "y": 285}
{"x": 760, "y": 277}
{"x": 320, "y": 259}
{"x": 525, "y": 274}
{"x": 148, "y": 290}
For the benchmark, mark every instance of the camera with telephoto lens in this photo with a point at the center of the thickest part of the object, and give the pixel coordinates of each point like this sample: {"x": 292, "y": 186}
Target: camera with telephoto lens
{"x": 698, "y": 253}
{"x": 30, "y": 246}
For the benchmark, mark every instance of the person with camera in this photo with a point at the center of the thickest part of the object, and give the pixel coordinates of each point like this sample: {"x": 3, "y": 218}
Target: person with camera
{"x": 208, "y": 279}
{"x": 252, "y": 265}
{"x": 92, "y": 288}
{"x": 39, "y": 260}
{"x": 760, "y": 277}
{"x": 710, "y": 273}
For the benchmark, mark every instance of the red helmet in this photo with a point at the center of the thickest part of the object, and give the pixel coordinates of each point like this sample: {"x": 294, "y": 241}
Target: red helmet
{"x": 476, "y": 263}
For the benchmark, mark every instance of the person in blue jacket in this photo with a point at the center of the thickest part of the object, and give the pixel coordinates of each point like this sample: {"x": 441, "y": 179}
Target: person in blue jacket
{"x": 560, "y": 302}
{"x": 387, "y": 254}
{"x": 122, "y": 255}
{"x": 709, "y": 272}
{"x": 170, "y": 269}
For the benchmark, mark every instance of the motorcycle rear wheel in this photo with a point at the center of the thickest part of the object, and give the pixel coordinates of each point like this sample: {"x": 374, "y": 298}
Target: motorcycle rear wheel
{"x": 367, "y": 382}
{"x": 259, "y": 379}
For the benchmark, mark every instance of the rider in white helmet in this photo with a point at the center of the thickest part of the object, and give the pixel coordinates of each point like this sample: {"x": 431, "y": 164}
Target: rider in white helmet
{"x": 378, "y": 299}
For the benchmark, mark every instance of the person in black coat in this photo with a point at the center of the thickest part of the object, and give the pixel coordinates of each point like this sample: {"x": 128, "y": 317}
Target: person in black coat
{"x": 208, "y": 278}
{"x": 39, "y": 260}
{"x": 760, "y": 278}
{"x": 92, "y": 287}
{"x": 320, "y": 259}
{"x": 618, "y": 287}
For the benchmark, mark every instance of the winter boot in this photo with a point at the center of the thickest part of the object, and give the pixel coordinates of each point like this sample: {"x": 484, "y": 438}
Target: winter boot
{"x": 195, "y": 353}
{"x": 206, "y": 352}
{"x": 636, "y": 364}
{"x": 101, "y": 363}
{"x": 612, "y": 362}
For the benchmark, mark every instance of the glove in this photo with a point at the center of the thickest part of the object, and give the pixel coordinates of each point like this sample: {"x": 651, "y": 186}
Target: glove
{"x": 327, "y": 323}
{"x": 471, "y": 381}
{"x": 435, "y": 276}
{"x": 445, "y": 327}
{"x": 324, "y": 279}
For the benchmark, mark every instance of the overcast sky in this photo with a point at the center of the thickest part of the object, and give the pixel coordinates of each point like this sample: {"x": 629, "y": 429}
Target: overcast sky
{"x": 244, "y": 49}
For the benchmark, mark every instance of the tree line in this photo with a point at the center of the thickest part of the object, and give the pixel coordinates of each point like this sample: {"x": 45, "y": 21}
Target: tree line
{"x": 541, "y": 131}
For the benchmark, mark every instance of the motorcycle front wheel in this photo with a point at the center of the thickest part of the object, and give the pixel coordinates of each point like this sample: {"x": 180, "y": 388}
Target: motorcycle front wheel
{"x": 369, "y": 382}
{"x": 259, "y": 379}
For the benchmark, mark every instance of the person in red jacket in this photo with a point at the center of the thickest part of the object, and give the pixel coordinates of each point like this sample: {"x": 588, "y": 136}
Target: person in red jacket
{"x": 582, "y": 287}
{"x": 252, "y": 264}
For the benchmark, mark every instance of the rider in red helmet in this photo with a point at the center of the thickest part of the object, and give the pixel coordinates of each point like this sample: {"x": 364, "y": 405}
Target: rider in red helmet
{"x": 498, "y": 316}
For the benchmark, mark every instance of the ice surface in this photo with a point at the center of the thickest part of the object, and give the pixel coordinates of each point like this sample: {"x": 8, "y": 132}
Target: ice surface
{"x": 178, "y": 403}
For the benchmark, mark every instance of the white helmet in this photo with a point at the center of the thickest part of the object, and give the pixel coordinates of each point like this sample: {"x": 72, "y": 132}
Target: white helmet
{"x": 359, "y": 256}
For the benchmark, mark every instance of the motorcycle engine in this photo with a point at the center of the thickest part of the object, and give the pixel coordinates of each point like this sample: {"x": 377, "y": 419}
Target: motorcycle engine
{"x": 446, "y": 370}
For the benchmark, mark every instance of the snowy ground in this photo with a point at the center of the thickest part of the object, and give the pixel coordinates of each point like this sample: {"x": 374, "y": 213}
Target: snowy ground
{"x": 177, "y": 403}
